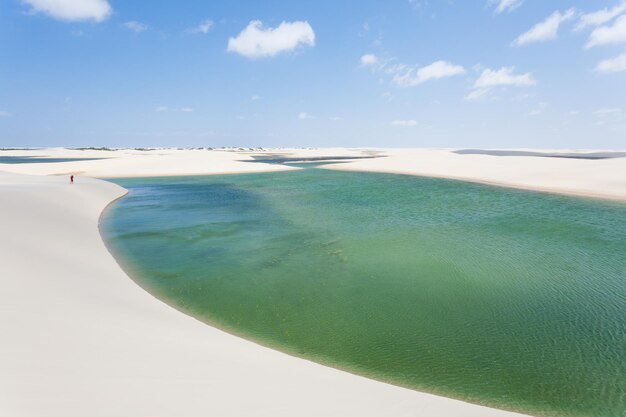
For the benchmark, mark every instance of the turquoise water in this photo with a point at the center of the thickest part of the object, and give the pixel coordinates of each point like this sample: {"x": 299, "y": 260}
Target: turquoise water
{"x": 502, "y": 297}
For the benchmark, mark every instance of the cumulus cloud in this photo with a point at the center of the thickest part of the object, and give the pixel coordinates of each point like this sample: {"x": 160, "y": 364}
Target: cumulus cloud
{"x": 305, "y": 116}
{"x": 545, "y": 30}
{"x": 410, "y": 77}
{"x": 135, "y": 26}
{"x": 72, "y": 10}
{"x": 255, "y": 41}
{"x": 204, "y": 27}
{"x": 404, "y": 123}
{"x": 506, "y": 5}
{"x": 606, "y": 35}
{"x": 369, "y": 60}
{"x": 616, "y": 64}
{"x": 600, "y": 17}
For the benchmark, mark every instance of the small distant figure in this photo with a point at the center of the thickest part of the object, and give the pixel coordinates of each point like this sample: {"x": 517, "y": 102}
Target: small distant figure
{"x": 71, "y": 179}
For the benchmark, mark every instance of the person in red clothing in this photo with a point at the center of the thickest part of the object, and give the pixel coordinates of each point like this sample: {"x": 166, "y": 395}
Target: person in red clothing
{"x": 71, "y": 179}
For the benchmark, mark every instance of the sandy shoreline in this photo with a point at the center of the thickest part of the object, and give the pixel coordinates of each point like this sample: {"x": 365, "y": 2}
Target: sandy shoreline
{"x": 598, "y": 178}
{"x": 81, "y": 338}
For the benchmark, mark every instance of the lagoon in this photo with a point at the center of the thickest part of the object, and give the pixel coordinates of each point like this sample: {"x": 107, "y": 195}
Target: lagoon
{"x": 507, "y": 298}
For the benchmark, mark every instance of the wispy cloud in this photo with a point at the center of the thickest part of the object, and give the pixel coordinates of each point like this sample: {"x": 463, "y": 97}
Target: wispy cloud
{"x": 418, "y": 4}
{"x": 539, "y": 109}
{"x": 255, "y": 41}
{"x": 506, "y": 5}
{"x": 477, "y": 95}
{"x": 404, "y": 123}
{"x": 204, "y": 27}
{"x": 606, "y": 35}
{"x": 609, "y": 117}
{"x": 503, "y": 77}
{"x": 72, "y": 10}
{"x": 161, "y": 109}
{"x": 135, "y": 26}
{"x": 600, "y": 17}
{"x": 305, "y": 116}
{"x": 545, "y": 30}
{"x": 411, "y": 77}
{"x": 4, "y": 113}
{"x": 369, "y": 60}
{"x": 255, "y": 98}
{"x": 617, "y": 64}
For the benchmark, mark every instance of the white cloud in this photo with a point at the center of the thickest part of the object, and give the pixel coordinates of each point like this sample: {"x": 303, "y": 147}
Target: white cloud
{"x": 305, "y": 116}
{"x": 506, "y": 5}
{"x": 204, "y": 27}
{"x": 609, "y": 116}
{"x": 369, "y": 60}
{"x": 4, "y": 113}
{"x": 257, "y": 42}
{"x": 72, "y": 10}
{"x": 545, "y": 30}
{"x": 404, "y": 123}
{"x": 335, "y": 118}
{"x": 477, "y": 95}
{"x": 600, "y": 17}
{"x": 539, "y": 109}
{"x": 616, "y": 64}
{"x": 255, "y": 98}
{"x": 418, "y": 4}
{"x": 414, "y": 76}
{"x": 603, "y": 112}
{"x": 135, "y": 26}
{"x": 503, "y": 77}
{"x": 161, "y": 109}
{"x": 609, "y": 34}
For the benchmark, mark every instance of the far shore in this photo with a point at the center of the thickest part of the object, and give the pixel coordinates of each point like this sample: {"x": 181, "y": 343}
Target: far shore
{"x": 593, "y": 173}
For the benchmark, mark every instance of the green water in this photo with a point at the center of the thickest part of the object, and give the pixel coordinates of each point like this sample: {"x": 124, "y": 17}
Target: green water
{"x": 506, "y": 298}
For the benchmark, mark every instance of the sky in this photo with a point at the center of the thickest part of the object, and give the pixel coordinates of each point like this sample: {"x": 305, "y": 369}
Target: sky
{"x": 291, "y": 73}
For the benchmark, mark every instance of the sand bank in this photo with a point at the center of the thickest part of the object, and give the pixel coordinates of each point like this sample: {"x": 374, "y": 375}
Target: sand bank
{"x": 522, "y": 168}
{"x": 79, "y": 338}
{"x": 126, "y": 163}
{"x": 600, "y": 178}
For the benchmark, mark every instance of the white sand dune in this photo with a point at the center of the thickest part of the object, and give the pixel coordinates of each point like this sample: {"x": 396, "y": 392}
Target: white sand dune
{"x": 600, "y": 178}
{"x": 80, "y": 338}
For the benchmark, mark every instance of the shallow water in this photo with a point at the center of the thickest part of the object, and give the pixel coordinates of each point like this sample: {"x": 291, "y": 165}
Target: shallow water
{"x": 502, "y": 297}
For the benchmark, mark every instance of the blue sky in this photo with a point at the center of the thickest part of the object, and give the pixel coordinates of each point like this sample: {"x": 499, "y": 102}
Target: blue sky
{"x": 482, "y": 73}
